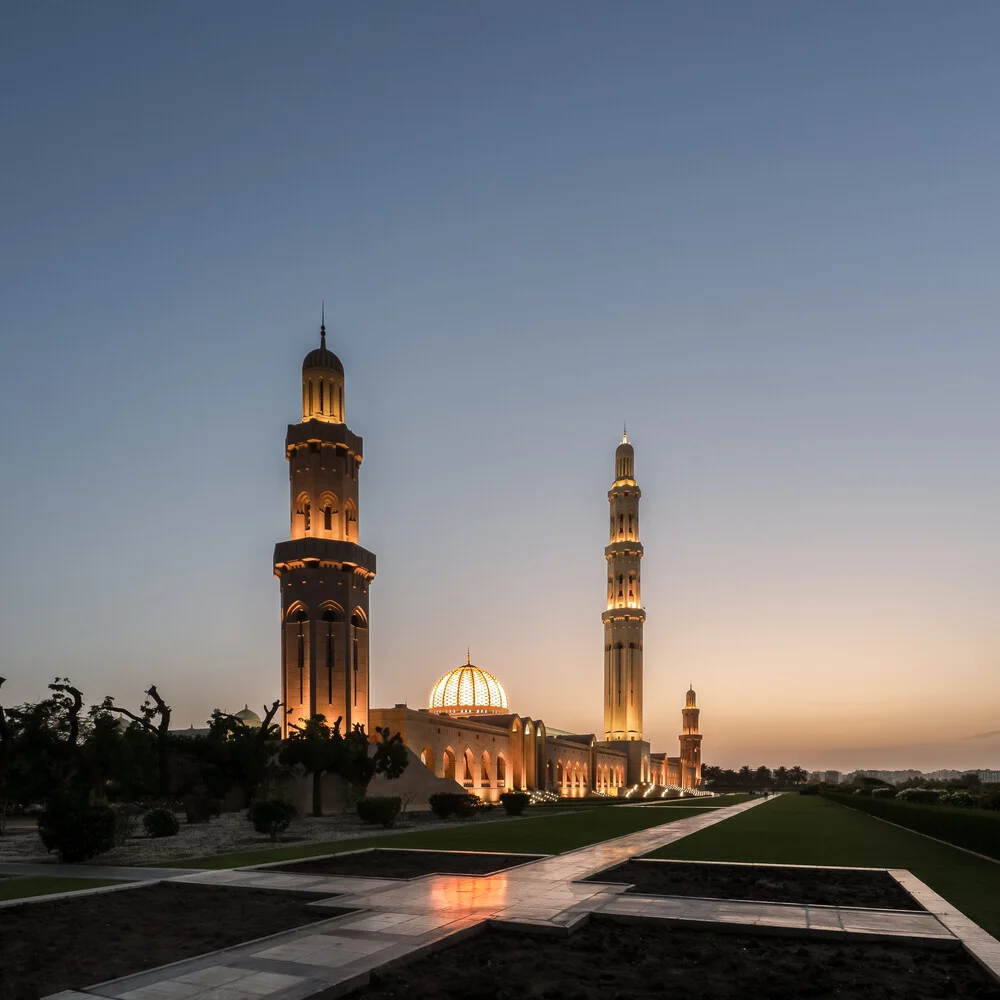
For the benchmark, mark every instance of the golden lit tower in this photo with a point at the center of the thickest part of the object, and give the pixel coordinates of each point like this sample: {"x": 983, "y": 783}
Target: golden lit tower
{"x": 624, "y": 617}
{"x": 324, "y": 573}
{"x": 690, "y": 742}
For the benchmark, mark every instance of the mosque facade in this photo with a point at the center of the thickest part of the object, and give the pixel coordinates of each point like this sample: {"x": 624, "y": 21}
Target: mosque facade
{"x": 467, "y": 737}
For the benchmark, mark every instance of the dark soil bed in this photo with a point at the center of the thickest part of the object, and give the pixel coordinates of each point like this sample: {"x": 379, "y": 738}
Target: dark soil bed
{"x": 640, "y": 961}
{"x": 820, "y": 886}
{"x": 388, "y": 863}
{"x": 78, "y": 941}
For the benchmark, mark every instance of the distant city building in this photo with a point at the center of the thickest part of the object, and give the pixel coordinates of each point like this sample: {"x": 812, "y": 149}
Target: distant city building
{"x": 987, "y": 777}
{"x": 831, "y": 777}
{"x": 467, "y": 735}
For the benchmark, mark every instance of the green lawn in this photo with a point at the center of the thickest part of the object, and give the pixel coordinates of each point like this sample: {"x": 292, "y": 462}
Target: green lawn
{"x": 541, "y": 835}
{"x": 811, "y": 830}
{"x": 41, "y": 885}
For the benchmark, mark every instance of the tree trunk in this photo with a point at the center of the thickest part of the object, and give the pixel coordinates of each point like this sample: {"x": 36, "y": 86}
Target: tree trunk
{"x": 317, "y": 793}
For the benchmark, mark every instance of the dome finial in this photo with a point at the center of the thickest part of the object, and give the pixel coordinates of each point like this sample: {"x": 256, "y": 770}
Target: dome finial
{"x": 322, "y": 325}
{"x": 624, "y": 432}
{"x": 468, "y": 656}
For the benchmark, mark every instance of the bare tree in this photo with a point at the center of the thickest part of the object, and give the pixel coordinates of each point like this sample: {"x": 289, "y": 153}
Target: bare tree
{"x": 153, "y": 708}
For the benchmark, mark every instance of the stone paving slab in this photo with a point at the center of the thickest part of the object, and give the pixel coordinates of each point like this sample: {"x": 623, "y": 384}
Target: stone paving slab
{"x": 895, "y": 924}
{"x": 983, "y": 947}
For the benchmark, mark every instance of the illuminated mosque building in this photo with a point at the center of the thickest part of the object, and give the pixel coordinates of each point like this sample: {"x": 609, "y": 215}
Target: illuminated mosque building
{"x": 467, "y": 737}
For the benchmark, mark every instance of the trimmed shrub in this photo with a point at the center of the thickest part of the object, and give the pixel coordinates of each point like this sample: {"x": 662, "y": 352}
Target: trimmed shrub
{"x": 920, "y": 796}
{"x": 960, "y": 800}
{"x": 200, "y": 807}
{"x": 460, "y": 804}
{"x": 380, "y": 809}
{"x": 991, "y": 800}
{"x": 78, "y": 830}
{"x": 161, "y": 822}
{"x": 883, "y": 793}
{"x": 514, "y": 802}
{"x": 272, "y": 816}
{"x": 973, "y": 829}
{"x": 126, "y": 821}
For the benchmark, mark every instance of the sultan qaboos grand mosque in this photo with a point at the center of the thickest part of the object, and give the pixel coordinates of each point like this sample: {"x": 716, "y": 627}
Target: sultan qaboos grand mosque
{"x": 467, "y": 734}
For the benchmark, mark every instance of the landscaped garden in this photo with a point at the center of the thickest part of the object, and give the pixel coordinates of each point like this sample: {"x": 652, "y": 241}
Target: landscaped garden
{"x": 542, "y": 834}
{"x": 774, "y": 884}
{"x": 647, "y": 960}
{"x": 70, "y": 943}
{"x": 813, "y": 830}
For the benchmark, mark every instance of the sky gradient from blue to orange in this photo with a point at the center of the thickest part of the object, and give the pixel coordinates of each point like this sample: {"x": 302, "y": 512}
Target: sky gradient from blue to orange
{"x": 766, "y": 235}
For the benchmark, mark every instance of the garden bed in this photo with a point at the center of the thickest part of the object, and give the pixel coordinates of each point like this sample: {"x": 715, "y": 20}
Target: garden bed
{"x": 389, "y": 863}
{"x": 763, "y": 883}
{"x": 76, "y": 942}
{"x": 641, "y": 961}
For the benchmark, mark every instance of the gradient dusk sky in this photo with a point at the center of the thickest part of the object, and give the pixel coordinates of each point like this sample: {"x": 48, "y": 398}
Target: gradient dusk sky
{"x": 766, "y": 234}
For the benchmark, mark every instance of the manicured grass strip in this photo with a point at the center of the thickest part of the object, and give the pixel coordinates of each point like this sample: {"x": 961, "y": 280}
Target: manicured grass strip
{"x": 42, "y": 885}
{"x": 974, "y": 829}
{"x": 811, "y": 830}
{"x": 545, "y": 835}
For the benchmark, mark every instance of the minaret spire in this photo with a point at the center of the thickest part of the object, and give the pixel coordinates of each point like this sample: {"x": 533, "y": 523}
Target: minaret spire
{"x": 322, "y": 325}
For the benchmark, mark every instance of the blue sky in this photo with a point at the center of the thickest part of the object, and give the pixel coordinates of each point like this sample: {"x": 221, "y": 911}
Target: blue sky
{"x": 766, "y": 235}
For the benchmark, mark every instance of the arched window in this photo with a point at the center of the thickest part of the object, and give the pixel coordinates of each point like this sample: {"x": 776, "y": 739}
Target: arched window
{"x": 501, "y": 770}
{"x": 427, "y": 758}
{"x": 329, "y": 617}
{"x": 630, "y": 526}
{"x": 351, "y": 521}
{"x": 484, "y": 769}
{"x": 469, "y": 766}
{"x": 449, "y": 763}
{"x": 301, "y": 618}
{"x": 303, "y": 508}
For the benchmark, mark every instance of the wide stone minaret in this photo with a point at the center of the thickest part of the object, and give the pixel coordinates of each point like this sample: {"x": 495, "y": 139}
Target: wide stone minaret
{"x": 324, "y": 573}
{"x": 624, "y": 617}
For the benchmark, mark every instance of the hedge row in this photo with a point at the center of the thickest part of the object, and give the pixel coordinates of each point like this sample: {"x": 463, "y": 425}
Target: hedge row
{"x": 974, "y": 829}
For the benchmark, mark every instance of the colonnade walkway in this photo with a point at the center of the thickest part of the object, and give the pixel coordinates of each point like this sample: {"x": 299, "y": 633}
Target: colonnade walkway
{"x": 394, "y": 920}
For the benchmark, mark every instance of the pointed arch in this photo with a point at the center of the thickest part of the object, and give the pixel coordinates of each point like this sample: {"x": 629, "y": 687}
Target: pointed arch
{"x": 448, "y": 762}
{"x": 427, "y": 758}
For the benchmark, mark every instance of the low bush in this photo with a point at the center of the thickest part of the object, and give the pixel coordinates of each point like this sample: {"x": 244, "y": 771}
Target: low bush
{"x": 76, "y": 829}
{"x": 200, "y": 807}
{"x": 974, "y": 829}
{"x": 381, "y": 809}
{"x": 960, "y": 800}
{"x": 991, "y": 800}
{"x": 459, "y": 804}
{"x": 920, "y": 796}
{"x": 514, "y": 803}
{"x": 863, "y": 790}
{"x": 161, "y": 822}
{"x": 883, "y": 793}
{"x": 809, "y": 790}
{"x": 126, "y": 821}
{"x": 272, "y": 816}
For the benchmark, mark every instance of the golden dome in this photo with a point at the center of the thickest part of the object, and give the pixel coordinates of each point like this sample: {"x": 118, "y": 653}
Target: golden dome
{"x": 468, "y": 690}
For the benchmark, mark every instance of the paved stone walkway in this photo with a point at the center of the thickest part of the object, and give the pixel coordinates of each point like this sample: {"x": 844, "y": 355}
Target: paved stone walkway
{"x": 397, "y": 920}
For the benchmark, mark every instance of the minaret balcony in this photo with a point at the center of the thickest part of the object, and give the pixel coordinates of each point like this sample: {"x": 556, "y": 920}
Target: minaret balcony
{"x": 624, "y": 614}
{"x": 326, "y": 550}
{"x": 624, "y": 548}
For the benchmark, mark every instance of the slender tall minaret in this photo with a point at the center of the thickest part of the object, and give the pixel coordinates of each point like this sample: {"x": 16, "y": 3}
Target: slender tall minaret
{"x": 324, "y": 573}
{"x": 690, "y": 742}
{"x": 625, "y": 615}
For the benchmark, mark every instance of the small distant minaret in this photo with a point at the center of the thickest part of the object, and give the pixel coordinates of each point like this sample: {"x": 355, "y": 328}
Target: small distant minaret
{"x": 690, "y": 742}
{"x": 324, "y": 573}
{"x": 624, "y": 616}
